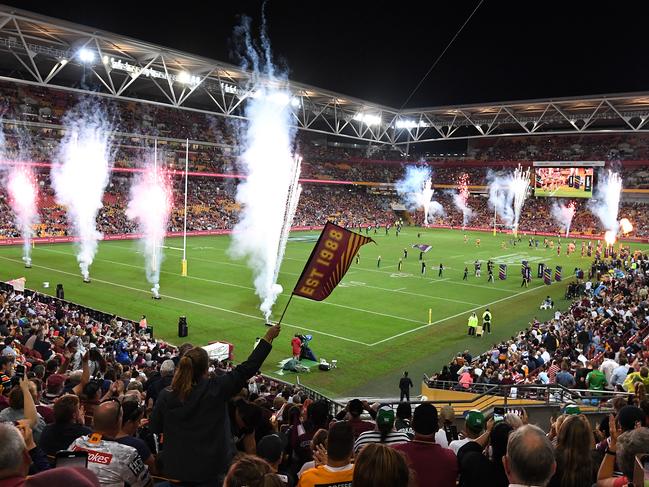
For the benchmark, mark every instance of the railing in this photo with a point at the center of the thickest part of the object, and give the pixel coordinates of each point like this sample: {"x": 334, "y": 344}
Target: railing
{"x": 334, "y": 406}
{"x": 546, "y": 394}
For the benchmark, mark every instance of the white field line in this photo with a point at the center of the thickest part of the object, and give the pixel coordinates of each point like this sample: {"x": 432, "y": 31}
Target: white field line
{"x": 401, "y": 291}
{"x": 432, "y": 280}
{"x": 225, "y": 310}
{"x": 328, "y": 303}
{"x": 459, "y": 314}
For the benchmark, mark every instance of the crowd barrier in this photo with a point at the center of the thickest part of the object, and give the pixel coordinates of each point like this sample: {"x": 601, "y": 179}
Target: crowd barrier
{"x": 134, "y": 236}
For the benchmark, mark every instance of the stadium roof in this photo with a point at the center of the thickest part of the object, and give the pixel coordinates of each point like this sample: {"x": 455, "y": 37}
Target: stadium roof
{"x": 44, "y": 51}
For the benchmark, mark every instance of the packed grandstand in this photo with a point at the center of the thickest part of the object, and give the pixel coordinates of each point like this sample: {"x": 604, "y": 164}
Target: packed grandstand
{"x": 562, "y": 402}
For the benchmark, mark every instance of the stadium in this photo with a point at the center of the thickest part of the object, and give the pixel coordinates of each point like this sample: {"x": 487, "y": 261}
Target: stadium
{"x": 246, "y": 264}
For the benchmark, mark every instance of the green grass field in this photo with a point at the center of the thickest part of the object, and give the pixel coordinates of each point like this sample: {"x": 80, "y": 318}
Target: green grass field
{"x": 563, "y": 192}
{"x": 375, "y": 324}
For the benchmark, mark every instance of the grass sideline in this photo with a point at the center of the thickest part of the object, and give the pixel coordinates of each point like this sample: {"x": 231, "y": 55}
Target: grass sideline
{"x": 375, "y": 324}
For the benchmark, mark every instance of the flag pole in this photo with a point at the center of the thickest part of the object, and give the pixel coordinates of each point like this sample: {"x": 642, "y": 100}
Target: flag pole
{"x": 285, "y": 308}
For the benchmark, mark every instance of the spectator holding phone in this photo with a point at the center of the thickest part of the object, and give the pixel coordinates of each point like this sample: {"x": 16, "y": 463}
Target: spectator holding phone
{"x": 19, "y": 455}
{"x": 22, "y": 406}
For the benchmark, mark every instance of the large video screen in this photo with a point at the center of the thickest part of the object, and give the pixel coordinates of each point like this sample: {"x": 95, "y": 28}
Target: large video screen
{"x": 563, "y": 182}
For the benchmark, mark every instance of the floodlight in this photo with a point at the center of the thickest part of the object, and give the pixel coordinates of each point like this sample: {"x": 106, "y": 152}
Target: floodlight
{"x": 86, "y": 55}
{"x": 368, "y": 119}
{"x": 184, "y": 77}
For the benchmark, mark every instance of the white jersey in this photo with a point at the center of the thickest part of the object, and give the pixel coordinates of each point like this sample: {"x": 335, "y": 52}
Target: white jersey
{"x": 113, "y": 463}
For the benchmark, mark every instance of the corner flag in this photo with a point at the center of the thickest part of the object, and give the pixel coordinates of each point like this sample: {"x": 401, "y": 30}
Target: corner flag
{"x": 329, "y": 261}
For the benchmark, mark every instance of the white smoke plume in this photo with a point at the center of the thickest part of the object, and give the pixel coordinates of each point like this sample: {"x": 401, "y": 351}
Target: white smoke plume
{"x": 563, "y": 214}
{"x": 81, "y": 173}
{"x": 149, "y": 206}
{"x": 501, "y": 198}
{"x": 606, "y": 202}
{"x": 22, "y": 189}
{"x": 507, "y": 194}
{"x": 416, "y": 192}
{"x": 270, "y": 193}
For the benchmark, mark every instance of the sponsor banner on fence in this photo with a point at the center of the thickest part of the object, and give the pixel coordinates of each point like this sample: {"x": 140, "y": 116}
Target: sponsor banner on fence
{"x": 133, "y": 236}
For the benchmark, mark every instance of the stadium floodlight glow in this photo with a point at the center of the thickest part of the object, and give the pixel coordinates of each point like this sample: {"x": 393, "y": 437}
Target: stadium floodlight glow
{"x": 368, "y": 119}
{"x": 296, "y": 102}
{"x": 410, "y": 124}
{"x": 105, "y": 60}
{"x": 86, "y": 55}
{"x": 184, "y": 77}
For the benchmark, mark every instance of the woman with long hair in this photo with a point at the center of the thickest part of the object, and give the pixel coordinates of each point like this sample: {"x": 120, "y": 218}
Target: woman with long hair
{"x": 576, "y": 466}
{"x": 378, "y": 465}
{"x": 192, "y": 415}
{"x": 251, "y": 471}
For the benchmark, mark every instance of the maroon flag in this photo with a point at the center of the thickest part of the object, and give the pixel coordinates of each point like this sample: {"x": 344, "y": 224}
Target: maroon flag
{"x": 329, "y": 261}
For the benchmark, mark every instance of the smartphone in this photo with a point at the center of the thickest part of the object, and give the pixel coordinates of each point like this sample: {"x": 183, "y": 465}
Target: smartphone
{"x": 499, "y": 414}
{"x": 20, "y": 371}
{"x": 77, "y": 458}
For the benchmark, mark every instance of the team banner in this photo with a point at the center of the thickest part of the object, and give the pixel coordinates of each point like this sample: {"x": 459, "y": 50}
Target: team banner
{"x": 547, "y": 276}
{"x": 329, "y": 261}
{"x": 540, "y": 269}
{"x": 557, "y": 273}
{"x": 422, "y": 247}
{"x": 502, "y": 272}
{"x": 18, "y": 284}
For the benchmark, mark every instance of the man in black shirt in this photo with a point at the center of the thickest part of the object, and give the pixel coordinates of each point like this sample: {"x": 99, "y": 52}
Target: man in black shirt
{"x": 404, "y": 386}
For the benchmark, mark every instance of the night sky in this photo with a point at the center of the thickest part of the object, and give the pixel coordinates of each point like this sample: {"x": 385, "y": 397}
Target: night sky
{"x": 509, "y": 50}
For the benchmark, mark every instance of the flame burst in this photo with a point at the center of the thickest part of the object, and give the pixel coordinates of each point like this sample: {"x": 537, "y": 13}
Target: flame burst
{"x": 626, "y": 226}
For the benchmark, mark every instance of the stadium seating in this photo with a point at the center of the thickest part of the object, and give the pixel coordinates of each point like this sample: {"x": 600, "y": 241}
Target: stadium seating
{"x": 605, "y": 326}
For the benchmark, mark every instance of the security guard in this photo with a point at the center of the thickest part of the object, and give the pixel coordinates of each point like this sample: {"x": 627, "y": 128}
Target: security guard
{"x": 486, "y": 321}
{"x": 473, "y": 323}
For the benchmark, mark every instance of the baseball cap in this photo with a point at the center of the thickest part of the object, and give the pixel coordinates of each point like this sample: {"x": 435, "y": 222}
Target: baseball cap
{"x": 80, "y": 477}
{"x": 271, "y": 447}
{"x": 572, "y": 409}
{"x": 475, "y": 420}
{"x": 385, "y": 416}
{"x": 425, "y": 419}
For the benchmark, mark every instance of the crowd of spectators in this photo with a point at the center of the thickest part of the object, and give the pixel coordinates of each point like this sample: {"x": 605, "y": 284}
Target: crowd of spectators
{"x": 212, "y": 206}
{"x": 598, "y": 344}
{"x": 146, "y": 412}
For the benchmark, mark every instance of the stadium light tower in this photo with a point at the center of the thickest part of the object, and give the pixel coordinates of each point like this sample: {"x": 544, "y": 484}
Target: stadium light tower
{"x": 86, "y": 55}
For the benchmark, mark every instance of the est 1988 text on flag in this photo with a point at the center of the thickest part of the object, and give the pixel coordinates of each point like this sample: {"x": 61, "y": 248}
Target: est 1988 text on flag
{"x": 329, "y": 261}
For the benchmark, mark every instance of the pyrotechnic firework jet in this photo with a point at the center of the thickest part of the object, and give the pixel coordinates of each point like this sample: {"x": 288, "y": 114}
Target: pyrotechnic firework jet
{"x": 23, "y": 195}
{"x": 149, "y": 206}
{"x": 507, "y": 195}
{"x": 500, "y": 197}
{"x": 606, "y": 203}
{"x": 564, "y": 214}
{"x": 269, "y": 195}
{"x": 415, "y": 190}
{"x": 81, "y": 174}
{"x": 22, "y": 189}
{"x": 520, "y": 184}
{"x": 461, "y": 198}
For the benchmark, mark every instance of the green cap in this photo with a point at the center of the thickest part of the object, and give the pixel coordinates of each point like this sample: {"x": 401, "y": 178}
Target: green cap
{"x": 572, "y": 409}
{"x": 385, "y": 416}
{"x": 475, "y": 420}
